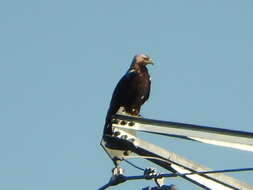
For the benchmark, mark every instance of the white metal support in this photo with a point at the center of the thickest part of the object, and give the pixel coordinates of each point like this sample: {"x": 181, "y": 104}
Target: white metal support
{"x": 123, "y": 142}
{"x": 210, "y": 135}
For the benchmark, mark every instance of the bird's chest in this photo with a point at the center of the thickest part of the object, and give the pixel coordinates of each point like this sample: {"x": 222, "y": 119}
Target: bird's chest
{"x": 142, "y": 85}
{"x": 143, "y": 81}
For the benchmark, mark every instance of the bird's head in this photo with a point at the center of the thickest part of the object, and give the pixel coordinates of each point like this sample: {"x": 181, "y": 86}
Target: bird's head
{"x": 141, "y": 60}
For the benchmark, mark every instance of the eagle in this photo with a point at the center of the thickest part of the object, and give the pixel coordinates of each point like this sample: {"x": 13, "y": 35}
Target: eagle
{"x": 132, "y": 90}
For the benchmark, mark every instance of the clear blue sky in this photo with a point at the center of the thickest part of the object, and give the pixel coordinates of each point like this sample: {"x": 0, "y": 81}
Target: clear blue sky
{"x": 60, "y": 61}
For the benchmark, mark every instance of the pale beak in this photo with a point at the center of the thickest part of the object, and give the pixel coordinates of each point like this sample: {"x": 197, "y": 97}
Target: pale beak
{"x": 150, "y": 61}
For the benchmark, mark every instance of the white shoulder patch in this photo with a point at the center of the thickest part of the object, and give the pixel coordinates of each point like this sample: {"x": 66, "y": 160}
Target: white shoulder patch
{"x": 150, "y": 78}
{"x": 132, "y": 70}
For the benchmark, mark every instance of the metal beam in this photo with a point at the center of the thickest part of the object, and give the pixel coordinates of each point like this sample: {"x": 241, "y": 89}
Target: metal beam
{"x": 210, "y": 135}
{"x": 179, "y": 164}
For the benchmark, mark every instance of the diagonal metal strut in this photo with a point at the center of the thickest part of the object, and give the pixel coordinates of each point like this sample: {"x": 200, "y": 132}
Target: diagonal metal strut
{"x": 123, "y": 142}
{"x": 180, "y": 165}
{"x": 210, "y": 135}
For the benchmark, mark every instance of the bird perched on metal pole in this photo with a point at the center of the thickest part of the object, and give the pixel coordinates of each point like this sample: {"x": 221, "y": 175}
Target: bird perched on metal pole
{"x": 132, "y": 90}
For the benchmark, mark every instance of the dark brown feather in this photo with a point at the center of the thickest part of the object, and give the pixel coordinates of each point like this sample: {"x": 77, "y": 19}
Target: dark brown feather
{"x": 132, "y": 90}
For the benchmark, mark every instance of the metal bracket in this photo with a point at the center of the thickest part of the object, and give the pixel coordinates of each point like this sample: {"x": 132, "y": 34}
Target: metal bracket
{"x": 151, "y": 173}
{"x": 164, "y": 187}
{"x": 123, "y": 142}
{"x": 211, "y": 135}
{"x": 117, "y": 176}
